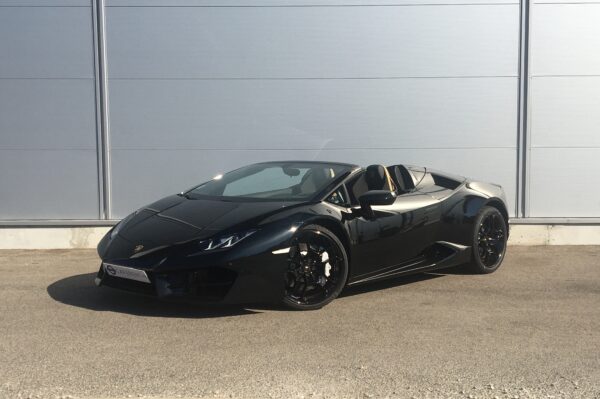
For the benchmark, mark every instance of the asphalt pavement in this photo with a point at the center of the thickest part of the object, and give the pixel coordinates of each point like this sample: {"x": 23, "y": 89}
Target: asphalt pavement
{"x": 530, "y": 330}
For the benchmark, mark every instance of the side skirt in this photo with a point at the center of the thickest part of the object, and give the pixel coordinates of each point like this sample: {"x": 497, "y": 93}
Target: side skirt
{"x": 441, "y": 255}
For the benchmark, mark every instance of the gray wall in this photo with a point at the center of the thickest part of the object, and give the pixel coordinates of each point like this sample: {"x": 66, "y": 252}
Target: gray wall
{"x": 565, "y": 109}
{"x": 197, "y": 87}
{"x": 48, "y": 164}
{"x": 198, "y": 90}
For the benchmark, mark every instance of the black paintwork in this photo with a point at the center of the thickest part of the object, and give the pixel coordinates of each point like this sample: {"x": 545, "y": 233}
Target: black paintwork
{"x": 428, "y": 227}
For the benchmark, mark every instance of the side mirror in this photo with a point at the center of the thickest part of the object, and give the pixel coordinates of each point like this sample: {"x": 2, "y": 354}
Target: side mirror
{"x": 376, "y": 197}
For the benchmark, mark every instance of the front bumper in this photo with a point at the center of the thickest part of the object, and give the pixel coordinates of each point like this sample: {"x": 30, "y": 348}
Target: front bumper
{"x": 255, "y": 279}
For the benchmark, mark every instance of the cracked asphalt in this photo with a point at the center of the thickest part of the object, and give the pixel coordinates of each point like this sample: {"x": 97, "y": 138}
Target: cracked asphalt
{"x": 530, "y": 330}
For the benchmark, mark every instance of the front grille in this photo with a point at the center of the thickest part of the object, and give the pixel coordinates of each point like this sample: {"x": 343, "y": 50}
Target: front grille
{"x": 213, "y": 282}
{"x": 208, "y": 284}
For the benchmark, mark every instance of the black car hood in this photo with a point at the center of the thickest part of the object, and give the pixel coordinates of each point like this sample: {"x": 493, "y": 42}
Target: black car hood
{"x": 176, "y": 219}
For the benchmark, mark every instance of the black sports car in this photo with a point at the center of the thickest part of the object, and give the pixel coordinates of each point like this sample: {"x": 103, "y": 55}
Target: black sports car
{"x": 299, "y": 232}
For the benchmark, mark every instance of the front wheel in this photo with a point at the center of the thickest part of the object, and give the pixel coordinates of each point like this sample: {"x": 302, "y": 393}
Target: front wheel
{"x": 317, "y": 269}
{"x": 489, "y": 240}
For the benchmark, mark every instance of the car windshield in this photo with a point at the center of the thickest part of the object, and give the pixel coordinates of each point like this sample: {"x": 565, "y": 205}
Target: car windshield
{"x": 286, "y": 181}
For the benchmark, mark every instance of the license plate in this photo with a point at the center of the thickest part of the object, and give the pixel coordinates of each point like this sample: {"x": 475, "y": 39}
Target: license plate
{"x": 126, "y": 272}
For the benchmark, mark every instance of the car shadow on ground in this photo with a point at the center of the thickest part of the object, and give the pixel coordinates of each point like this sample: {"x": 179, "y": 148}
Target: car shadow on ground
{"x": 80, "y": 291}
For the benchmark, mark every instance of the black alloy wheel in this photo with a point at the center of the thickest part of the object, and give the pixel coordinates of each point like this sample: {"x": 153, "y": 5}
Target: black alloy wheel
{"x": 317, "y": 269}
{"x": 489, "y": 241}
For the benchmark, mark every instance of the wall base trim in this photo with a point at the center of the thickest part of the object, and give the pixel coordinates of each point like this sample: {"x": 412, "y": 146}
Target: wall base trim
{"x": 554, "y": 234}
{"x": 51, "y": 237}
{"x": 88, "y": 237}
{"x": 556, "y": 220}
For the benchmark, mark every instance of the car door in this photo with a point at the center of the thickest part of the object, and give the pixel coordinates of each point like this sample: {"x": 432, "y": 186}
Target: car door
{"x": 394, "y": 234}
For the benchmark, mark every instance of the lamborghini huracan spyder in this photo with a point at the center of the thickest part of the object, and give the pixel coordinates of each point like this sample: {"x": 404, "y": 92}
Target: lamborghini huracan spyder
{"x": 299, "y": 232}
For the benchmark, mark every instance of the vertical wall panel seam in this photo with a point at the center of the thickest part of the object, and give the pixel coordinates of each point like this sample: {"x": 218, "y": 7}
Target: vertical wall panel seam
{"x": 528, "y": 128}
{"x": 98, "y": 101}
{"x": 523, "y": 111}
{"x": 103, "y": 108}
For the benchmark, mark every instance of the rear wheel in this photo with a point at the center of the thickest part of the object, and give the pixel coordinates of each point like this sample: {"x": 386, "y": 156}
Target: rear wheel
{"x": 317, "y": 269}
{"x": 489, "y": 240}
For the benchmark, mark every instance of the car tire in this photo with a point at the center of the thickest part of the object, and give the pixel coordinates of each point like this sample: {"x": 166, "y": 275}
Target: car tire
{"x": 317, "y": 260}
{"x": 490, "y": 234}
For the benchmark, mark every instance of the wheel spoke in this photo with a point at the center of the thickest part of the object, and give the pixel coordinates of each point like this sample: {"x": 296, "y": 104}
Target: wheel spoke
{"x": 484, "y": 256}
{"x": 497, "y": 244}
{"x": 303, "y": 295}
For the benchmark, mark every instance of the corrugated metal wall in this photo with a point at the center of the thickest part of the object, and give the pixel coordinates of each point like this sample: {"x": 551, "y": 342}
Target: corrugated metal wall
{"x": 565, "y": 109}
{"x": 196, "y": 87}
{"x": 48, "y": 164}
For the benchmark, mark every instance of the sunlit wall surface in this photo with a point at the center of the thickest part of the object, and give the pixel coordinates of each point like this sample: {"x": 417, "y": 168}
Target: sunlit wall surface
{"x": 198, "y": 87}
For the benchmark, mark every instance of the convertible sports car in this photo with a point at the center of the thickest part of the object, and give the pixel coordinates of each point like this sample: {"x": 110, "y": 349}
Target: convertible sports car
{"x": 299, "y": 232}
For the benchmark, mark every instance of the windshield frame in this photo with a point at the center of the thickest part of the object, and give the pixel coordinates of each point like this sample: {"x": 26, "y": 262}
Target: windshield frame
{"x": 315, "y": 197}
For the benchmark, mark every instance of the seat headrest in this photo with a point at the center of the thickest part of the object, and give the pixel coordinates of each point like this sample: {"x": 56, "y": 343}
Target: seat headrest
{"x": 376, "y": 178}
{"x": 402, "y": 177}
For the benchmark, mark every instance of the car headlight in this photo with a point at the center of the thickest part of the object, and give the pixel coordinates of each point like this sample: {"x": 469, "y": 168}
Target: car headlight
{"x": 121, "y": 224}
{"x": 226, "y": 241}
